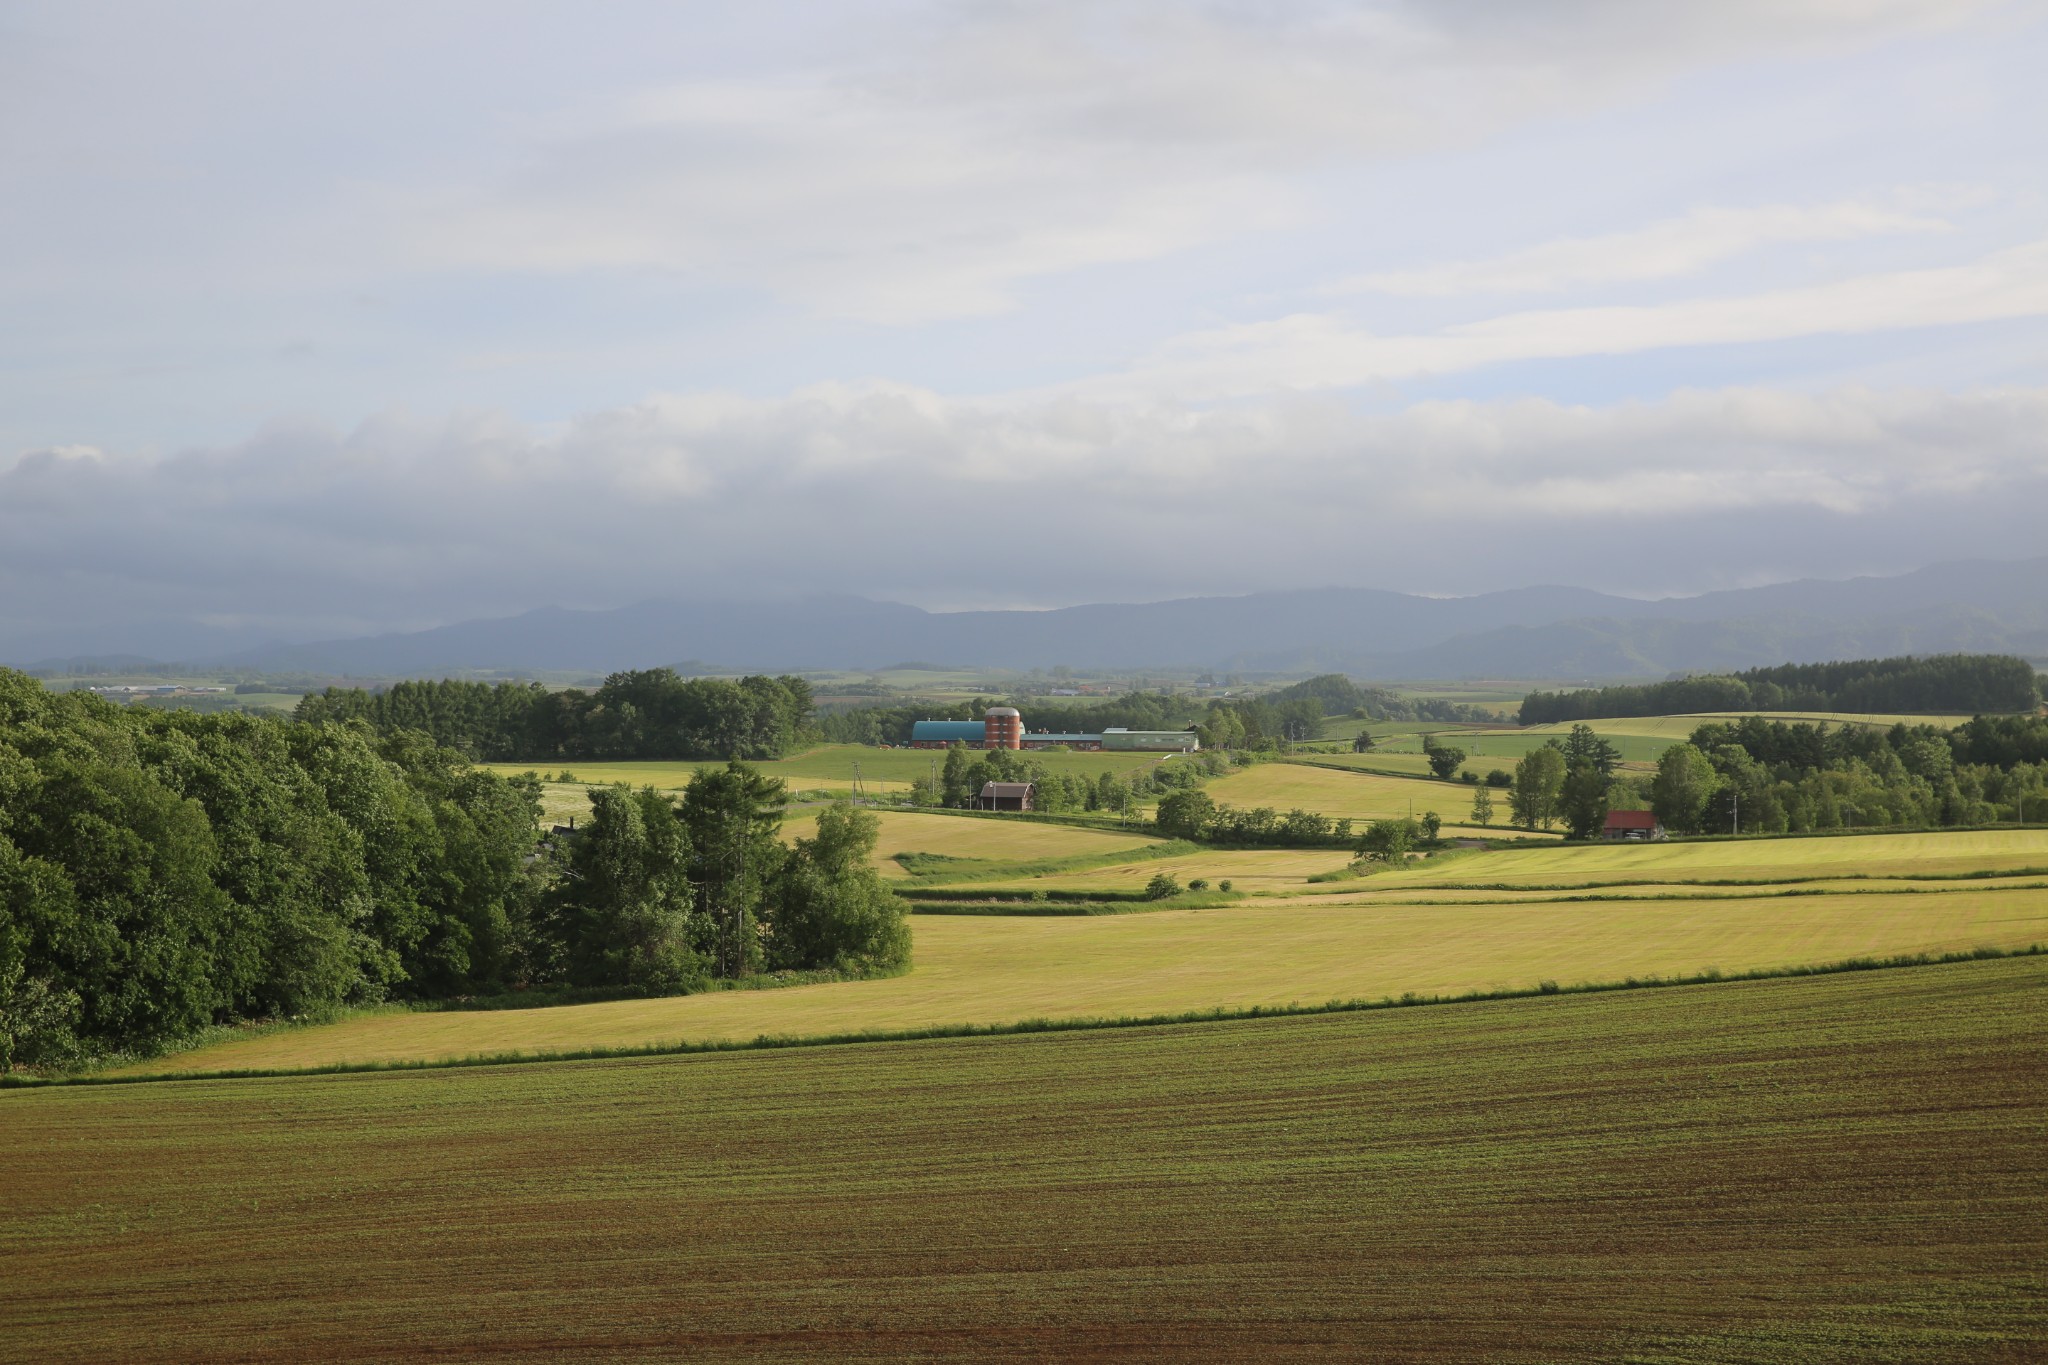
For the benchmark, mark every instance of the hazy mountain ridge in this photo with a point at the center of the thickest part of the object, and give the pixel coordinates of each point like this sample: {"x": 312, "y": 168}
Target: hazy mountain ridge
{"x": 1538, "y": 632}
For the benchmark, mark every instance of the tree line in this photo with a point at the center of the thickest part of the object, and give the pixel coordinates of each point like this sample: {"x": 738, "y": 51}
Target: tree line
{"x": 1338, "y": 695}
{"x": 1762, "y": 776}
{"x": 1266, "y": 723}
{"x": 165, "y": 871}
{"x": 646, "y": 714}
{"x": 1955, "y": 683}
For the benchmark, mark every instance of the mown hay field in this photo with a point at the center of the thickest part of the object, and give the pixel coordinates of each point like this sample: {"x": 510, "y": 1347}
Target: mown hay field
{"x": 1356, "y": 796}
{"x": 1254, "y": 870}
{"x": 997, "y": 969}
{"x": 955, "y": 836}
{"x": 1868, "y": 855}
{"x": 1816, "y": 1170}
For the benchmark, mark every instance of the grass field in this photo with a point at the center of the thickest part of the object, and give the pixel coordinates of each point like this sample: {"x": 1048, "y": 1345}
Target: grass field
{"x": 1832, "y": 1169}
{"x": 1358, "y": 796}
{"x": 972, "y": 969}
{"x": 996, "y": 840}
{"x": 1872, "y": 855}
{"x": 829, "y": 765}
{"x": 1255, "y": 870}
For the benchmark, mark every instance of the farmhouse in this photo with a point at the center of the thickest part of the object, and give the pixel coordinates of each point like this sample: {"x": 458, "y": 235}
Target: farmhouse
{"x": 1006, "y": 796}
{"x": 1631, "y": 825}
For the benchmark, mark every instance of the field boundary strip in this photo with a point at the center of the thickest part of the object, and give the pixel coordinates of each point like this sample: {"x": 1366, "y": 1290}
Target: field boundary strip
{"x": 1983, "y": 875}
{"x": 1220, "y": 1014}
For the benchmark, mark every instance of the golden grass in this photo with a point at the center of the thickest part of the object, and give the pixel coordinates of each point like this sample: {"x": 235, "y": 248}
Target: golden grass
{"x": 1357, "y": 796}
{"x": 1879, "y": 855}
{"x": 964, "y": 837}
{"x": 993, "y": 969}
{"x": 1257, "y": 870}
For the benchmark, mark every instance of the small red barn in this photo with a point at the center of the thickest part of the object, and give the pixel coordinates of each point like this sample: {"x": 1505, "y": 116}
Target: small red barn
{"x": 1631, "y": 825}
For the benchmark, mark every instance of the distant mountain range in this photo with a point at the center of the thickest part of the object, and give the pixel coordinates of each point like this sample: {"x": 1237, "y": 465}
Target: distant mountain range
{"x": 1545, "y": 632}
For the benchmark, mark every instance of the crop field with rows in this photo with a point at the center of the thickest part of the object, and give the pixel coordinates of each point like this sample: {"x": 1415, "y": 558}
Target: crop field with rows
{"x": 1821, "y": 1169}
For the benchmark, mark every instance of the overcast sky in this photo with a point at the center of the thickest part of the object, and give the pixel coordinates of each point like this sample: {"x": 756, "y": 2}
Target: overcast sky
{"x": 320, "y": 318}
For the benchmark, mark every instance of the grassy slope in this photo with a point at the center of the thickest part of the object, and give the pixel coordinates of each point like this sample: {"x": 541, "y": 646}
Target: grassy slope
{"x": 1843, "y": 1168}
{"x": 988, "y": 970}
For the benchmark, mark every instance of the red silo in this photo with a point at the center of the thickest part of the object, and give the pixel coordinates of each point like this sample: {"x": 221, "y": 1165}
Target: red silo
{"x": 1002, "y": 728}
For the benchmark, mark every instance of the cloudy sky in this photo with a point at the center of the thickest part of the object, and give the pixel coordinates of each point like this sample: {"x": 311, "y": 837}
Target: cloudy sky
{"x": 321, "y": 318}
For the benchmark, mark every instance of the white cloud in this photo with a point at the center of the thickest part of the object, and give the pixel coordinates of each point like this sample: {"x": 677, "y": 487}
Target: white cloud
{"x": 1315, "y": 351}
{"x": 898, "y": 491}
{"x": 999, "y": 144}
{"x": 1664, "y": 250}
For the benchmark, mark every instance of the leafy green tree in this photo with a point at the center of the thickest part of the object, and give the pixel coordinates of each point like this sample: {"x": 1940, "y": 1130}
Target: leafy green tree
{"x": 954, "y": 790}
{"x": 1431, "y": 823}
{"x": 1388, "y": 841}
{"x": 1362, "y": 742}
{"x": 1583, "y": 800}
{"x": 1585, "y": 749}
{"x": 1539, "y": 783}
{"x": 1161, "y": 887}
{"x": 1186, "y": 814}
{"x": 734, "y": 818}
{"x": 1442, "y": 758}
{"x": 629, "y": 896}
{"x": 1684, "y": 783}
{"x": 1110, "y": 794}
{"x": 832, "y": 909}
{"x": 1482, "y": 807}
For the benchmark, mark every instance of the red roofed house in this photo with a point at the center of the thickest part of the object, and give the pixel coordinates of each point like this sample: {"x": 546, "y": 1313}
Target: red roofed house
{"x": 1624, "y": 825}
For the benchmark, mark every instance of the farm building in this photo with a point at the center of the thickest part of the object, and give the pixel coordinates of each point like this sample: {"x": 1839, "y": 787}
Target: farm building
{"x": 1005, "y": 796}
{"x": 1003, "y": 728}
{"x": 1629, "y": 825}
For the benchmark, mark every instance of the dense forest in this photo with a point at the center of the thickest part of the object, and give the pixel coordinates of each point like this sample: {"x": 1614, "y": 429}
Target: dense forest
{"x": 1945, "y": 684}
{"x": 164, "y": 871}
{"x": 649, "y": 714}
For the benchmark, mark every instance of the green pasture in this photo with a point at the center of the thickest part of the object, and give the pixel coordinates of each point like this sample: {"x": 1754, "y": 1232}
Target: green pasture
{"x": 1810, "y": 1170}
{"x": 986, "y": 970}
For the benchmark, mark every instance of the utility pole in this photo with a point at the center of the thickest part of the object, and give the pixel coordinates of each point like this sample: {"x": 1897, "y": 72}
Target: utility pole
{"x": 1735, "y": 795}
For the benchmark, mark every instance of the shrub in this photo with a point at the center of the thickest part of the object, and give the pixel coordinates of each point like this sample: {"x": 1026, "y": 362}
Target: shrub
{"x": 1223, "y": 885}
{"x": 1198, "y": 883}
{"x": 1160, "y": 887}
{"x": 1500, "y": 777}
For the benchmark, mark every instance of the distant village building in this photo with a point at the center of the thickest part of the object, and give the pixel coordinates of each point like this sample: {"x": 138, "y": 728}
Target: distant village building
{"x": 1006, "y": 796}
{"x": 1625, "y": 826}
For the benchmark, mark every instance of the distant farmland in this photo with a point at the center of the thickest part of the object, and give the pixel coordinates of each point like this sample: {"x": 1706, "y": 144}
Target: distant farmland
{"x": 1359, "y": 796}
{"x": 1307, "y": 949}
{"x": 1843, "y": 1168}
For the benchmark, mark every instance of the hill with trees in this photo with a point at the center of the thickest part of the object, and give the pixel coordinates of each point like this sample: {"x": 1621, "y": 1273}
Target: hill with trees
{"x": 1947, "y": 684}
